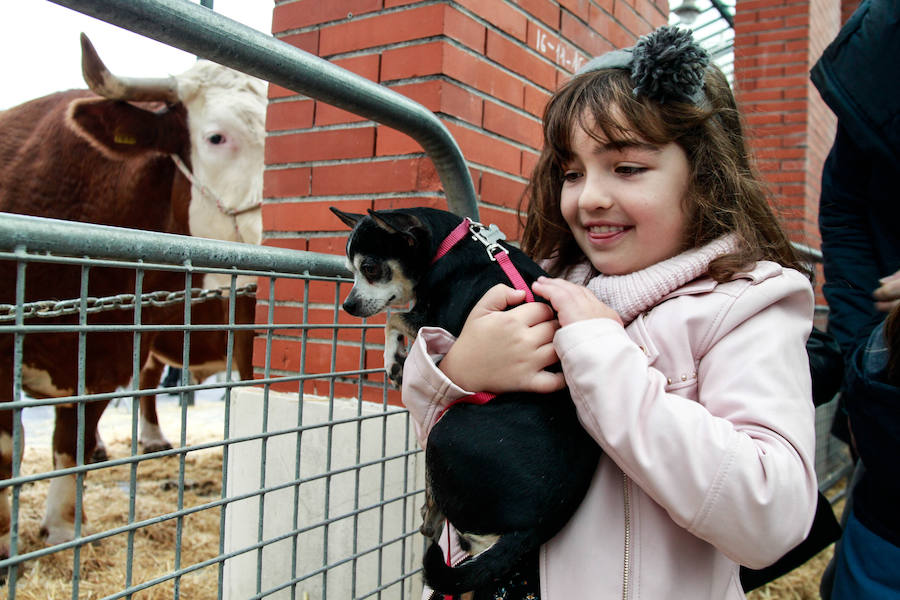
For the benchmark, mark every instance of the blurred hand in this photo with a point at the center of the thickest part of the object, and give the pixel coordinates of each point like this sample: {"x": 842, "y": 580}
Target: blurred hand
{"x": 573, "y": 302}
{"x": 502, "y": 350}
{"x": 888, "y": 295}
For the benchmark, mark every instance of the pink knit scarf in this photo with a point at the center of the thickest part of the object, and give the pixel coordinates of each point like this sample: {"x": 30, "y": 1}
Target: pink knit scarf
{"x": 631, "y": 294}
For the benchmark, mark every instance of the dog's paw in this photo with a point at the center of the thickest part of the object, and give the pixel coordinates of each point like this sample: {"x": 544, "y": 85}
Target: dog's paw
{"x": 395, "y": 375}
{"x": 395, "y": 369}
{"x": 432, "y": 519}
{"x": 394, "y": 357}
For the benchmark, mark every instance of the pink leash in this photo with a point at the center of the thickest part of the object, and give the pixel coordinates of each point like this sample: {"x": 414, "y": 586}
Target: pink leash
{"x": 490, "y": 237}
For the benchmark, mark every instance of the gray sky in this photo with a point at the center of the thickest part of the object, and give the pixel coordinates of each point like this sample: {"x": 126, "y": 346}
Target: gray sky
{"x": 41, "y": 52}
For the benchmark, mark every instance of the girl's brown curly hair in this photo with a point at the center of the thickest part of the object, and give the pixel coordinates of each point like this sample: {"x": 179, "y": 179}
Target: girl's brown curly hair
{"x": 724, "y": 195}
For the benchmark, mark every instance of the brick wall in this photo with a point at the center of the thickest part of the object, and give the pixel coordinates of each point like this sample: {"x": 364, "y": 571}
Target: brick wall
{"x": 776, "y": 44}
{"x": 772, "y": 61}
{"x": 485, "y": 67}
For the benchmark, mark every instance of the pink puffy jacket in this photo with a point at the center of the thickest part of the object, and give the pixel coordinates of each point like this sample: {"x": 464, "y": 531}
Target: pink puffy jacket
{"x": 703, "y": 409}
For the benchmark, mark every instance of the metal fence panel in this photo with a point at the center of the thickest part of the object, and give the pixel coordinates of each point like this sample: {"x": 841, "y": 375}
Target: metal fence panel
{"x": 308, "y": 496}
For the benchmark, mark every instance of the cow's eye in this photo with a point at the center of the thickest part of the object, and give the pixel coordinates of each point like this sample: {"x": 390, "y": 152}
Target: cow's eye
{"x": 216, "y": 139}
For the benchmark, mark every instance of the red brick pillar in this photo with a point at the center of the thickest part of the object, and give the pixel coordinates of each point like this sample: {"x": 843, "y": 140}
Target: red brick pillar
{"x": 776, "y": 44}
{"x": 485, "y": 67}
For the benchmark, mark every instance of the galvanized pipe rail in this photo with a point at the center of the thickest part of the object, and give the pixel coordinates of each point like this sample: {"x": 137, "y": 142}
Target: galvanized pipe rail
{"x": 78, "y": 239}
{"x": 198, "y": 30}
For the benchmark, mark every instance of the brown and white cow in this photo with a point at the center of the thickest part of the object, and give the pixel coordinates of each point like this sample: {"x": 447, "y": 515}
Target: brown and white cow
{"x": 78, "y": 156}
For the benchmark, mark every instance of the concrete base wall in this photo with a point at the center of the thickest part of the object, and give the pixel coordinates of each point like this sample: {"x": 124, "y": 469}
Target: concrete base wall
{"x": 357, "y": 525}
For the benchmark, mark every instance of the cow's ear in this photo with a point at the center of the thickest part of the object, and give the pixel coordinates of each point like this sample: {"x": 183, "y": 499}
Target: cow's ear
{"x": 349, "y": 219}
{"x": 120, "y": 130}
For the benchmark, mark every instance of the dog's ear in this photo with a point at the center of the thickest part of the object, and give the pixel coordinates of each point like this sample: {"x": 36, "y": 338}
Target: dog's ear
{"x": 349, "y": 219}
{"x": 399, "y": 223}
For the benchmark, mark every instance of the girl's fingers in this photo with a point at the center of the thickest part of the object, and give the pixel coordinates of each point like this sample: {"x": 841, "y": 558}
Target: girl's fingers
{"x": 545, "y": 382}
{"x": 556, "y": 290}
{"x": 498, "y": 298}
{"x": 546, "y": 356}
{"x": 544, "y": 332}
{"x": 573, "y": 302}
{"x": 533, "y": 313}
{"x": 889, "y": 289}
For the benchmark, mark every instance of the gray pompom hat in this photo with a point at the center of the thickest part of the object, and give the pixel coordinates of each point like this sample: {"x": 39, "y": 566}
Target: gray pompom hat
{"x": 665, "y": 65}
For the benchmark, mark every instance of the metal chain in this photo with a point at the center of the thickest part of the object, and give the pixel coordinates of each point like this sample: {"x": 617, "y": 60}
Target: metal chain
{"x": 54, "y": 308}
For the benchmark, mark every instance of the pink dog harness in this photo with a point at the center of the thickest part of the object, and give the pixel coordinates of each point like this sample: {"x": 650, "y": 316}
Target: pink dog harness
{"x": 490, "y": 237}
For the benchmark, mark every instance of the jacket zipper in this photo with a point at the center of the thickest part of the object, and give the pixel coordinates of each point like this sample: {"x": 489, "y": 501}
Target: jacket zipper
{"x": 626, "y": 493}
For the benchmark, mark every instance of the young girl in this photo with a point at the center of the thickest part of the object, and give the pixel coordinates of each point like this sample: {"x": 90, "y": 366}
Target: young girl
{"x": 681, "y": 321}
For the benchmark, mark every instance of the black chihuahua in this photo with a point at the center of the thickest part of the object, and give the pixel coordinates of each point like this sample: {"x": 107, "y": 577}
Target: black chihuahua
{"x": 507, "y": 474}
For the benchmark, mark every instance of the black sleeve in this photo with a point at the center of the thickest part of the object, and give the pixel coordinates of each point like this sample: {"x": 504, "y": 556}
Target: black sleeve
{"x": 850, "y": 260}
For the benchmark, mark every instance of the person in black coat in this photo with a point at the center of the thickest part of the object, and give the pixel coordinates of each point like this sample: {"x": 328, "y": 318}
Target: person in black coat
{"x": 858, "y": 76}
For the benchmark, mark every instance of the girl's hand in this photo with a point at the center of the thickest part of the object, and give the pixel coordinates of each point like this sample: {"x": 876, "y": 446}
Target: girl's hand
{"x": 887, "y": 296}
{"x": 573, "y": 302}
{"x": 503, "y": 350}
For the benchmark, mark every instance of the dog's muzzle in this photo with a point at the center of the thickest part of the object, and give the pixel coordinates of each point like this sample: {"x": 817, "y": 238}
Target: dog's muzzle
{"x": 360, "y": 306}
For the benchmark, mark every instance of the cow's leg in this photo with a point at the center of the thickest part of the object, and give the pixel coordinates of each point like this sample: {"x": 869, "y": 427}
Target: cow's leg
{"x": 59, "y": 520}
{"x": 6, "y": 456}
{"x": 100, "y": 454}
{"x": 245, "y": 312}
{"x": 152, "y": 437}
{"x": 6, "y": 459}
{"x": 6, "y": 469}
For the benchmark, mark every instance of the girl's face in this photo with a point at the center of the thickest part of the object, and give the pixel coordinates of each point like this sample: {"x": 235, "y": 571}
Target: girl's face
{"x": 625, "y": 203}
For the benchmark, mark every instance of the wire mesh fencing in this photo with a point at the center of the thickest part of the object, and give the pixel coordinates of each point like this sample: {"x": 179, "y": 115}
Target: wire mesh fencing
{"x": 278, "y": 481}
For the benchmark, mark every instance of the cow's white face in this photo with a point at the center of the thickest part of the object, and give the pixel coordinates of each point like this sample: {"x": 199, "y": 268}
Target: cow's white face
{"x": 226, "y": 121}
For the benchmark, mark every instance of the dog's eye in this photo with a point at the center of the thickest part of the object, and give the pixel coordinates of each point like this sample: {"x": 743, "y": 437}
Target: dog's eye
{"x": 370, "y": 271}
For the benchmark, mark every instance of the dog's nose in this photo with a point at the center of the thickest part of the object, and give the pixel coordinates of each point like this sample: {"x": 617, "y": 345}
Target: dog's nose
{"x": 351, "y": 307}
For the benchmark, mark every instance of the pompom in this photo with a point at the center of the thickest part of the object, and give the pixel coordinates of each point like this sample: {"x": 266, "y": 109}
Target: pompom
{"x": 669, "y": 66}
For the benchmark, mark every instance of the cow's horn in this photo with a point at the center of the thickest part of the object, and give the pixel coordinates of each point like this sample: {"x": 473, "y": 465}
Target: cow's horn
{"x": 105, "y": 84}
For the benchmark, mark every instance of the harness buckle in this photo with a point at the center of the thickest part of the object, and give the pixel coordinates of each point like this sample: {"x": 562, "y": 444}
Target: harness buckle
{"x": 495, "y": 250}
{"x": 490, "y": 237}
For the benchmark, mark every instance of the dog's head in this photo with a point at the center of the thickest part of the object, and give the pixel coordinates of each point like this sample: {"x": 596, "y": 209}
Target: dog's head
{"x": 387, "y": 253}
